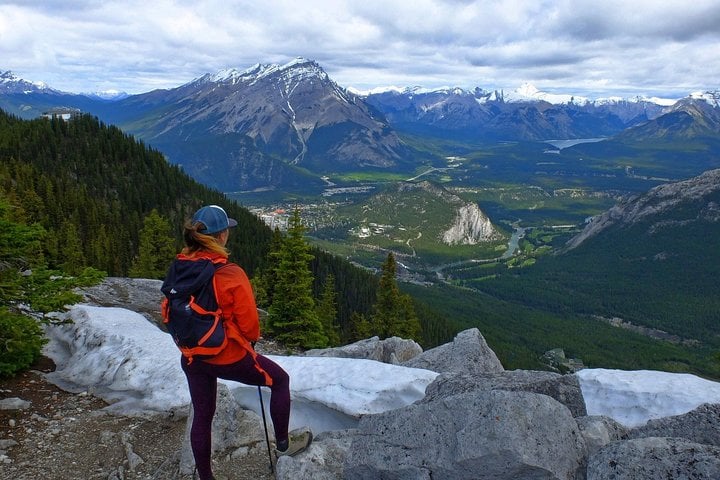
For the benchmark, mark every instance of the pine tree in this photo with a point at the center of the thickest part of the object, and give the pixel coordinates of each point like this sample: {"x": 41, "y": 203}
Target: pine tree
{"x": 71, "y": 248}
{"x": 157, "y": 248}
{"x": 408, "y": 323}
{"x": 327, "y": 311}
{"x": 25, "y": 280}
{"x": 360, "y": 327}
{"x": 264, "y": 281}
{"x": 292, "y": 318}
{"x": 394, "y": 314}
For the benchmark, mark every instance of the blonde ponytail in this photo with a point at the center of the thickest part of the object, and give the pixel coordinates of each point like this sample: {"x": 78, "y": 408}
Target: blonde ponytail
{"x": 196, "y": 241}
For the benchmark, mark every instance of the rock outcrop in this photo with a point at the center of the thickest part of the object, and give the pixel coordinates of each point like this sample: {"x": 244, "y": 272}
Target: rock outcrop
{"x": 467, "y": 353}
{"x": 475, "y": 421}
{"x": 598, "y": 431}
{"x": 139, "y": 295}
{"x": 470, "y": 227}
{"x": 654, "y": 458}
{"x": 394, "y": 350}
{"x": 478, "y": 435}
{"x": 323, "y": 460}
{"x": 701, "y": 425}
{"x": 478, "y": 421}
{"x": 563, "y": 388}
{"x": 683, "y": 446}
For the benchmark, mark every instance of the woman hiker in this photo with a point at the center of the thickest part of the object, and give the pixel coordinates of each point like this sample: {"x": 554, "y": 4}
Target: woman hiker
{"x": 205, "y": 238}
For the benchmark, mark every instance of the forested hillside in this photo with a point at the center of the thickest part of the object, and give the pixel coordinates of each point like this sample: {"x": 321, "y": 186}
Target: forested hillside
{"x": 90, "y": 186}
{"x": 638, "y": 288}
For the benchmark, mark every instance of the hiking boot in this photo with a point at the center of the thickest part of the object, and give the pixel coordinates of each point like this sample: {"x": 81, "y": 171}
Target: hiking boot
{"x": 298, "y": 440}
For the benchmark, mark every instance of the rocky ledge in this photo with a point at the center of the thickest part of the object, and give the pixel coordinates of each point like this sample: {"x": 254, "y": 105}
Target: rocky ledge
{"x": 478, "y": 421}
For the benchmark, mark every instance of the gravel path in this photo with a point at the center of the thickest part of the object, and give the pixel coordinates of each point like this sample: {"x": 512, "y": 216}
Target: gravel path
{"x": 65, "y": 436}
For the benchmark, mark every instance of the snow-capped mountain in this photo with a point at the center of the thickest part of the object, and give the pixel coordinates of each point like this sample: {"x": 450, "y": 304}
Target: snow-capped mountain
{"x": 29, "y": 100}
{"x": 108, "y": 95}
{"x": 525, "y": 93}
{"x": 299, "y": 68}
{"x": 12, "y": 84}
{"x": 529, "y": 93}
{"x": 697, "y": 115}
{"x": 522, "y": 114}
{"x": 246, "y": 121}
{"x": 712, "y": 97}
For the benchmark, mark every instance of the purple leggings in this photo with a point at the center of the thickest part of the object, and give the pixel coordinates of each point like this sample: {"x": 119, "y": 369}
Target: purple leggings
{"x": 202, "y": 381}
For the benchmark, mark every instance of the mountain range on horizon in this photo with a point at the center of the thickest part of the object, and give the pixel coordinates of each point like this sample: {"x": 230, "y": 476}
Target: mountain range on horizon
{"x": 11, "y": 83}
{"x": 281, "y": 126}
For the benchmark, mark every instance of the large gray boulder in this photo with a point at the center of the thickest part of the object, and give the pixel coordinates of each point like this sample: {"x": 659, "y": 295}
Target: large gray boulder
{"x": 563, "y": 388}
{"x": 139, "y": 295}
{"x": 393, "y": 350}
{"x": 479, "y": 435}
{"x": 233, "y": 428}
{"x": 701, "y": 425}
{"x": 598, "y": 431}
{"x": 654, "y": 458}
{"x": 323, "y": 460}
{"x": 467, "y": 353}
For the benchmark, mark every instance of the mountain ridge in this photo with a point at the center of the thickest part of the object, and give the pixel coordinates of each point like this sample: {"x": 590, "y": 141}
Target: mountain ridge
{"x": 280, "y": 127}
{"x": 698, "y": 190}
{"x": 525, "y": 91}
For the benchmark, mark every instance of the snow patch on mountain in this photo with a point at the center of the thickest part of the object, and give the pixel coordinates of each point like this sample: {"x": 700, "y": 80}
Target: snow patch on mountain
{"x": 711, "y": 97}
{"x": 107, "y": 95}
{"x": 526, "y": 93}
{"x": 298, "y": 69}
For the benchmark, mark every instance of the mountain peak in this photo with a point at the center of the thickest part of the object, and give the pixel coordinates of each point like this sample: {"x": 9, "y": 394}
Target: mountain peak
{"x": 709, "y": 96}
{"x": 107, "y": 95}
{"x": 11, "y": 83}
{"x": 259, "y": 70}
{"x": 528, "y": 90}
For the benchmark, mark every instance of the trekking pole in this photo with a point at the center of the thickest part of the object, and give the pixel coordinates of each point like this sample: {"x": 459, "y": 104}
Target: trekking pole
{"x": 267, "y": 438}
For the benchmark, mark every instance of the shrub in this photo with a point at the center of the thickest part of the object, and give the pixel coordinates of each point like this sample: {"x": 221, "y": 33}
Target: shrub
{"x": 21, "y": 340}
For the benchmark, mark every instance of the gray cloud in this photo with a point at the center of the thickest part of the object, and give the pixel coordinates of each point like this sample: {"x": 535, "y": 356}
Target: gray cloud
{"x": 577, "y": 46}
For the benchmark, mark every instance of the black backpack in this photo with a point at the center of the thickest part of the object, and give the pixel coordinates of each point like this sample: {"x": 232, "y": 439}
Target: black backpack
{"x": 190, "y": 309}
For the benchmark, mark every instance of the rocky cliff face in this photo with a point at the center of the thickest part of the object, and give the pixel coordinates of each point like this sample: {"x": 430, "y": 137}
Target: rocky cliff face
{"x": 471, "y": 227}
{"x": 470, "y": 224}
{"x": 670, "y": 205}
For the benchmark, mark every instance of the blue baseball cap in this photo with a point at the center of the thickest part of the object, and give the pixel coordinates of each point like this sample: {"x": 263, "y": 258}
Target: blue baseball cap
{"x": 214, "y": 218}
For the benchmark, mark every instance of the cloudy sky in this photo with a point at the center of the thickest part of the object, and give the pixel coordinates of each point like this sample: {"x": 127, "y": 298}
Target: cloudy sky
{"x": 665, "y": 48}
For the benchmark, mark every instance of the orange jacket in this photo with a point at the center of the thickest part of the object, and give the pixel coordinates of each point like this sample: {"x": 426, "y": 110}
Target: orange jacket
{"x": 237, "y": 301}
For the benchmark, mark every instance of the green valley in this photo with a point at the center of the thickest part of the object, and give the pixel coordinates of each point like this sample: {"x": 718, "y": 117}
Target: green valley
{"x": 604, "y": 303}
